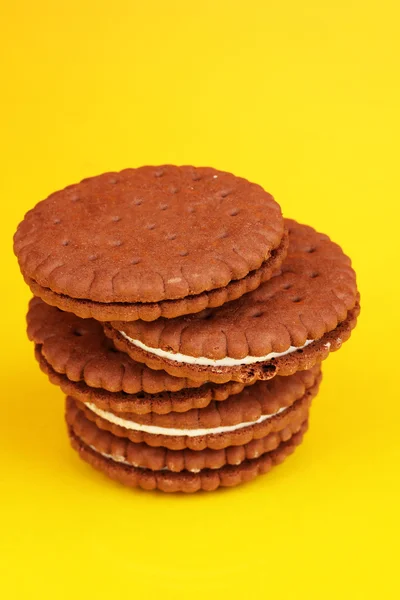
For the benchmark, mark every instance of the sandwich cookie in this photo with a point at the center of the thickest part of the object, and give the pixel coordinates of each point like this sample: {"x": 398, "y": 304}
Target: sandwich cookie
{"x": 78, "y": 357}
{"x": 157, "y": 458}
{"x": 264, "y": 408}
{"x": 121, "y": 467}
{"x": 290, "y": 323}
{"x": 150, "y": 242}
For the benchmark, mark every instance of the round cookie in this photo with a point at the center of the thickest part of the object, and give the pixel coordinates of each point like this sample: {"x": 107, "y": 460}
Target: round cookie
{"x": 259, "y": 410}
{"x": 77, "y": 356}
{"x": 150, "y": 242}
{"x": 186, "y": 481}
{"x": 290, "y": 322}
{"x": 158, "y": 458}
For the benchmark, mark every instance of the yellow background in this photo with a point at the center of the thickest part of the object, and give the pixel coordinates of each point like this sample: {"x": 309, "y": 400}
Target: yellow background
{"x": 302, "y": 97}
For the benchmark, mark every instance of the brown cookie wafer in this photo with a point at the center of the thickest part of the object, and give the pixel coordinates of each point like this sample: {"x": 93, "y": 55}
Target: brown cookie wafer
{"x": 151, "y": 242}
{"x": 185, "y": 481}
{"x": 290, "y": 322}
{"x": 253, "y": 414}
{"x": 156, "y": 458}
{"x": 77, "y": 356}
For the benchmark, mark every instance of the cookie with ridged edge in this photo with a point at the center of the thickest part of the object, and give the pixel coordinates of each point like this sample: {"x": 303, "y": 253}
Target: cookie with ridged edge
{"x": 185, "y": 481}
{"x": 264, "y": 397}
{"x": 313, "y": 299}
{"x": 239, "y": 431}
{"x": 150, "y": 242}
{"x": 77, "y": 356}
{"x": 168, "y": 308}
{"x": 141, "y": 455}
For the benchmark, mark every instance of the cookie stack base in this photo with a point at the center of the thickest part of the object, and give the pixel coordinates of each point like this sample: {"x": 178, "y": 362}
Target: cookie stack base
{"x": 186, "y": 481}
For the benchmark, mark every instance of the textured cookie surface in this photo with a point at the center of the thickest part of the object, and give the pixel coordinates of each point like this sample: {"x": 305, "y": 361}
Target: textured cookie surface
{"x": 185, "y": 481}
{"x": 270, "y": 407}
{"x": 149, "y": 311}
{"x": 123, "y": 450}
{"x": 315, "y": 292}
{"x": 148, "y": 235}
{"x": 77, "y": 356}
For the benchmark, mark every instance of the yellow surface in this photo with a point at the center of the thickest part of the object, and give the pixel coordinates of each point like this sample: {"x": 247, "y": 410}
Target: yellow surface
{"x": 303, "y": 98}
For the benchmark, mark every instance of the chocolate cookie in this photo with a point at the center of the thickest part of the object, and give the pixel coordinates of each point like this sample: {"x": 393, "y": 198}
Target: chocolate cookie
{"x": 157, "y": 458}
{"x": 77, "y": 356}
{"x": 268, "y": 406}
{"x": 289, "y": 323}
{"x": 150, "y": 242}
{"x": 207, "y": 479}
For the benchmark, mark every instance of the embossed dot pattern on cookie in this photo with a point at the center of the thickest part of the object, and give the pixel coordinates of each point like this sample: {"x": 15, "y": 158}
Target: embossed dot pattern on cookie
{"x": 157, "y": 216}
{"x": 184, "y": 319}
{"x": 313, "y": 296}
{"x": 77, "y": 356}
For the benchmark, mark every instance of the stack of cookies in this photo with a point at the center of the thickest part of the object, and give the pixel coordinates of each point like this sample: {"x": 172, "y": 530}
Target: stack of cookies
{"x": 184, "y": 319}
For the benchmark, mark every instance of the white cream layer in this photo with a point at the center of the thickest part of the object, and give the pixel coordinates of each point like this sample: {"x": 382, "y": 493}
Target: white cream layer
{"x": 118, "y": 459}
{"x": 202, "y": 360}
{"x": 108, "y": 416}
{"x": 121, "y": 460}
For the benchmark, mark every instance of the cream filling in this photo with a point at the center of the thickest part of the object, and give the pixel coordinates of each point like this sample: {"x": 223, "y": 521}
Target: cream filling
{"x": 121, "y": 460}
{"x": 118, "y": 459}
{"x": 204, "y": 361}
{"x": 108, "y": 416}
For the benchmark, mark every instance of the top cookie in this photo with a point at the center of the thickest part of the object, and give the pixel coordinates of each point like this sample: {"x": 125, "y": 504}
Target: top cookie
{"x": 164, "y": 239}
